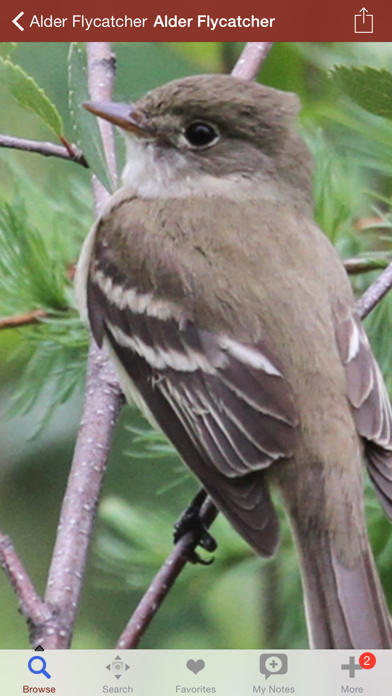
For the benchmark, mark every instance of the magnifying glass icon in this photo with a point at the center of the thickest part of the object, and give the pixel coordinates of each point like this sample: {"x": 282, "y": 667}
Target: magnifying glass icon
{"x": 41, "y": 670}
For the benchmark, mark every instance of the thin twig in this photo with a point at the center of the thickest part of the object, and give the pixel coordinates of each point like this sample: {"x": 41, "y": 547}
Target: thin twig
{"x": 163, "y": 582}
{"x": 22, "y": 319}
{"x": 31, "y": 605}
{"x": 372, "y": 296}
{"x": 47, "y": 149}
{"x": 358, "y": 266}
{"x": 251, "y": 59}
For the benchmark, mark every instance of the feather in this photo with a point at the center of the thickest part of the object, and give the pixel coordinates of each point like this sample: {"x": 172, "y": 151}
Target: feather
{"x": 371, "y": 406}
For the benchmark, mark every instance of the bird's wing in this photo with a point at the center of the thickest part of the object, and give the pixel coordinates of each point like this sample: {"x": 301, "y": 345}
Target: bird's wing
{"x": 225, "y": 405}
{"x": 231, "y": 398}
{"x": 370, "y": 402}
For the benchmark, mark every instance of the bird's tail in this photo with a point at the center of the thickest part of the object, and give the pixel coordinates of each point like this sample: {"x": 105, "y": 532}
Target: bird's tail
{"x": 344, "y": 602}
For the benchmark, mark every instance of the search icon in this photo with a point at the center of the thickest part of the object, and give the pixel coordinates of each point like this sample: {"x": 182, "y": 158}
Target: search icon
{"x": 41, "y": 670}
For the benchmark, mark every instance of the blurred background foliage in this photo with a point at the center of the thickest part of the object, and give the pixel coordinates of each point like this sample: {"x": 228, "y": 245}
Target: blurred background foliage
{"x": 45, "y": 211}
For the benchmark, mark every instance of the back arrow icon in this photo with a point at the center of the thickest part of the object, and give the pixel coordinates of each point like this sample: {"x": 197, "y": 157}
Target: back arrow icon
{"x": 15, "y": 21}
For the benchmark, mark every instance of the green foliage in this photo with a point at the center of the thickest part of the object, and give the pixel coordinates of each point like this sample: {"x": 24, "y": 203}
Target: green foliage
{"x": 149, "y": 444}
{"x": 86, "y": 127}
{"x": 369, "y": 88}
{"x": 30, "y": 274}
{"x": 54, "y": 355}
{"x": 337, "y": 189}
{"x": 39, "y": 240}
{"x": 29, "y": 95}
{"x": 285, "y": 69}
{"x": 356, "y": 134}
{"x": 207, "y": 55}
{"x": 133, "y": 546}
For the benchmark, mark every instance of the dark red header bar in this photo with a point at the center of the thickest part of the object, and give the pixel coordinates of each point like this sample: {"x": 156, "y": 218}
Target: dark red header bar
{"x": 309, "y": 20}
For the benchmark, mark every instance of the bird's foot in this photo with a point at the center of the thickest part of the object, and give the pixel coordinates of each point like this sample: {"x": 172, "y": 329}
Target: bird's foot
{"x": 190, "y": 521}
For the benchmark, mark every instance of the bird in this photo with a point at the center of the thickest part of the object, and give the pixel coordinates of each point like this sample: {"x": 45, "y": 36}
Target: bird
{"x": 232, "y": 324}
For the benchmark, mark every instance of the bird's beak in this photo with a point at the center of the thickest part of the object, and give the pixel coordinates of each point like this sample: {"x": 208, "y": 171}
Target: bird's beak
{"x": 123, "y": 115}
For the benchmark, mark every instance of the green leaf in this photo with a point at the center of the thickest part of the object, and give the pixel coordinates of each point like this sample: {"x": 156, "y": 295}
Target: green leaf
{"x": 6, "y": 48}
{"x": 29, "y": 96}
{"x": 369, "y": 88}
{"x": 88, "y": 136}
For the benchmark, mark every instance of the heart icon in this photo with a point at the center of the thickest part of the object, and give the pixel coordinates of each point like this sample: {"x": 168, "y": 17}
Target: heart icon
{"x": 195, "y": 667}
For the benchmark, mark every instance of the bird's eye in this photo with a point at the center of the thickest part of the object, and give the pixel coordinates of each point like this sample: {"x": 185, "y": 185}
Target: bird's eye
{"x": 200, "y": 134}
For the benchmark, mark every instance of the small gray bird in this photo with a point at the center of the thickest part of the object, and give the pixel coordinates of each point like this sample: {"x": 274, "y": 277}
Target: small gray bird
{"x": 232, "y": 324}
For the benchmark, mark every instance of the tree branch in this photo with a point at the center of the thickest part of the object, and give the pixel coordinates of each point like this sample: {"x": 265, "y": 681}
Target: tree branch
{"x": 163, "y": 582}
{"x": 358, "y": 266}
{"x": 251, "y": 59}
{"x": 67, "y": 152}
{"x": 22, "y": 319}
{"x": 103, "y": 402}
{"x": 100, "y": 413}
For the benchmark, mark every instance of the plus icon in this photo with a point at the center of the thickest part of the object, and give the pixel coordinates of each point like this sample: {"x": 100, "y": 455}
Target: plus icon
{"x": 273, "y": 664}
{"x": 352, "y": 667}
